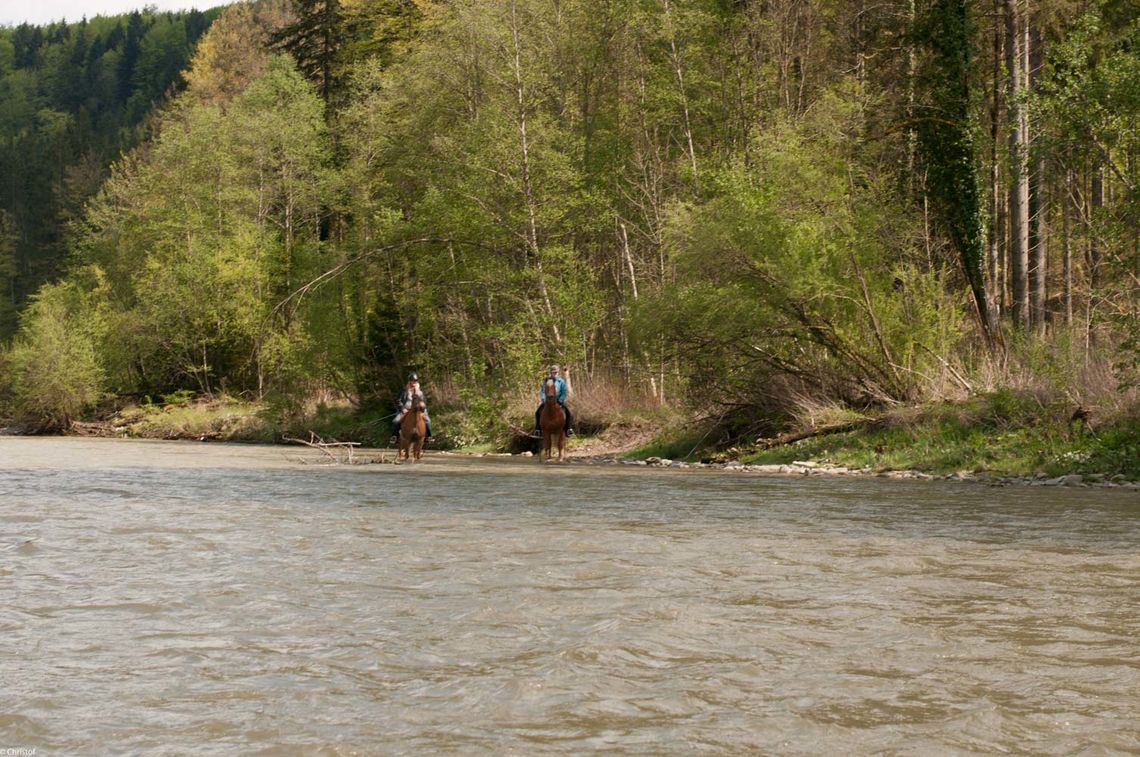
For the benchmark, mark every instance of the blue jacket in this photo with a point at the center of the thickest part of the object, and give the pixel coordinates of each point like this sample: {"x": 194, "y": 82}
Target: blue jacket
{"x": 560, "y": 389}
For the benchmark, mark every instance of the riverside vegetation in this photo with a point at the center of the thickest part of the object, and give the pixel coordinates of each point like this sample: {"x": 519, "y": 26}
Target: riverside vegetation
{"x": 892, "y": 235}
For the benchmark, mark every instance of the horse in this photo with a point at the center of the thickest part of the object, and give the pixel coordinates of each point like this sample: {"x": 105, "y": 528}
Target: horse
{"x": 552, "y": 421}
{"x": 413, "y": 431}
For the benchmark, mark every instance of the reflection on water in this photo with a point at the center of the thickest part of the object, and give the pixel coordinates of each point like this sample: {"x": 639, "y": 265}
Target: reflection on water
{"x": 182, "y": 598}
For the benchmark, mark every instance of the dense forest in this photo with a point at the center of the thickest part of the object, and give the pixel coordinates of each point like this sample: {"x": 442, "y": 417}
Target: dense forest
{"x": 72, "y": 99}
{"x": 750, "y": 209}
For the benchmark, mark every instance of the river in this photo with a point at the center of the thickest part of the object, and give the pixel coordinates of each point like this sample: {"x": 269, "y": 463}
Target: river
{"x": 184, "y": 598}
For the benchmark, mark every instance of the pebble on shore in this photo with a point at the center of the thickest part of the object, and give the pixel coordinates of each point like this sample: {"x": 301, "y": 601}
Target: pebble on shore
{"x": 811, "y": 468}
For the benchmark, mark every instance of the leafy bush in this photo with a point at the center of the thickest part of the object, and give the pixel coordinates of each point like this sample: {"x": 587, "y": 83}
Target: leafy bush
{"x": 55, "y": 375}
{"x": 795, "y": 280}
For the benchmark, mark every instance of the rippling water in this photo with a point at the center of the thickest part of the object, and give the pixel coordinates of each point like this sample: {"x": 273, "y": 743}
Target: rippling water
{"x": 167, "y": 598}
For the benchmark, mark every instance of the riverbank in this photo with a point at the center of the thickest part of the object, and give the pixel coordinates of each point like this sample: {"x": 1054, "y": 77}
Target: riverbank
{"x": 1000, "y": 436}
{"x": 998, "y": 439}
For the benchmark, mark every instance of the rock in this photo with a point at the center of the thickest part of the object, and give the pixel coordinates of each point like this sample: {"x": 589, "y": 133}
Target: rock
{"x": 768, "y": 469}
{"x": 805, "y": 464}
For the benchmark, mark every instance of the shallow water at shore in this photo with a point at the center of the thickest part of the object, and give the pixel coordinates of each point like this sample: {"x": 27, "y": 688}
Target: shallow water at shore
{"x": 188, "y": 598}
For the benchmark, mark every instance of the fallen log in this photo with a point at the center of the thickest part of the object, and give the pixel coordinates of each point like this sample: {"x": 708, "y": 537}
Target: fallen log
{"x": 835, "y": 428}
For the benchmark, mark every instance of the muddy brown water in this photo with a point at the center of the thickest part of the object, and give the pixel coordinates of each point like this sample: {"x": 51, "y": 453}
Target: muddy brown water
{"x": 181, "y": 598}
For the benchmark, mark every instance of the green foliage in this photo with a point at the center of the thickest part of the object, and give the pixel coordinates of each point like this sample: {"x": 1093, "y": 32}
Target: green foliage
{"x": 677, "y": 445}
{"x": 180, "y": 398}
{"x": 204, "y": 239}
{"x": 185, "y": 416}
{"x": 481, "y": 420}
{"x": 795, "y": 270}
{"x": 723, "y": 203}
{"x": 71, "y": 100}
{"x": 1004, "y": 433}
{"x": 1114, "y": 449}
{"x": 946, "y": 136}
{"x": 55, "y": 373}
{"x": 315, "y": 40}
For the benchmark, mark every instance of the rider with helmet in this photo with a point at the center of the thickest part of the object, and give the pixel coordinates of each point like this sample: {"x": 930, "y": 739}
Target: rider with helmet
{"x": 560, "y": 391}
{"x": 410, "y": 393}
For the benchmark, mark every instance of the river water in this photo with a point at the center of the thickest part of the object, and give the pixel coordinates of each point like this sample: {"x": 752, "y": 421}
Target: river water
{"x": 181, "y": 598}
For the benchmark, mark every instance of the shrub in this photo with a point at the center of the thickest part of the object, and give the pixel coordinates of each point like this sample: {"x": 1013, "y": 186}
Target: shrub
{"x": 55, "y": 374}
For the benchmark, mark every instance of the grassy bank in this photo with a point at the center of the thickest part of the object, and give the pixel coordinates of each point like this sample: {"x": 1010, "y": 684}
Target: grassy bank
{"x": 1001, "y": 433}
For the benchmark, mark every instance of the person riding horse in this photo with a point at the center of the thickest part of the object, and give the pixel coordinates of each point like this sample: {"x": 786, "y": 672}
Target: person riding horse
{"x": 561, "y": 389}
{"x": 411, "y": 392}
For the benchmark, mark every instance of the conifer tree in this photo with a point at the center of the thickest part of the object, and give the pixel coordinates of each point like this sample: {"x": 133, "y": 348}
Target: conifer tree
{"x": 315, "y": 40}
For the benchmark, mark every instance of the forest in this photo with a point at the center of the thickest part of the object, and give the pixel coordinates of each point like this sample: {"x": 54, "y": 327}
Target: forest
{"x": 746, "y": 217}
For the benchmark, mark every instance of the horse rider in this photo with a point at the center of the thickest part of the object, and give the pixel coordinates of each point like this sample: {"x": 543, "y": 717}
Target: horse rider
{"x": 410, "y": 393}
{"x": 560, "y": 391}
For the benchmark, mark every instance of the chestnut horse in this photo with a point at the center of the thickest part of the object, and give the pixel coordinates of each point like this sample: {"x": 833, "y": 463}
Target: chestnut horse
{"x": 413, "y": 430}
{"x": 552, "y": 420}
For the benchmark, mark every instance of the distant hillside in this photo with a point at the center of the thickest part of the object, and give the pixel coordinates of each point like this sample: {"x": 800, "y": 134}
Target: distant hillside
{"x": 73, "y": 97}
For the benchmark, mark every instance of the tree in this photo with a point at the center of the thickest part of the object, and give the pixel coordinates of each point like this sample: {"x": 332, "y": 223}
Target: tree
{"x": 55, "y": 369}
{"x": 945, "y": 136}
{"x": 315, "y": 41}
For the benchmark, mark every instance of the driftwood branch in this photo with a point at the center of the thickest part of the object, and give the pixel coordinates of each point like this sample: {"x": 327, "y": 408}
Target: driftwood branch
{"x": 343, "y": 450}
{"x": 957, "y": 376}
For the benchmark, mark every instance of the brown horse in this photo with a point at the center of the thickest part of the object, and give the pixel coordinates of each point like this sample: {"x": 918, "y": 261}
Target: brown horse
{"x": 552, "y": 420}
{"x": 413, "y": 431}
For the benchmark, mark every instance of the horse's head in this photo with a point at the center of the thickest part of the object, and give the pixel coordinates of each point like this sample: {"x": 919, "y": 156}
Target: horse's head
{"x": 419, "y": 406}
{"x": 550, "y": 389}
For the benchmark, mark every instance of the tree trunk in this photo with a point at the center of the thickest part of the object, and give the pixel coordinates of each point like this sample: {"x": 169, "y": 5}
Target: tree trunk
{"x": 912, "y": 134}
{"x": 1067, "y": 250}
{"x": 1038, "y": 262}
{"x": 527, "y": 185}
{"x": 1096, "y": 203}
{"x": 679, "y": 72}
{"x": 1019, "y": 174}
{"x": 994, "y": 265}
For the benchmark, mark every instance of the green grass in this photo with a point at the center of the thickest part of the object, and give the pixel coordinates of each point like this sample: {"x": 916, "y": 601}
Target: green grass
{"x": 684, "y": 444}
{"x": 223, "y": 419}
{"x": 999, "y": 433}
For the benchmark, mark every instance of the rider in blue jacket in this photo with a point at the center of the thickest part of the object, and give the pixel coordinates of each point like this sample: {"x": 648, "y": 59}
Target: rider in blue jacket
{"x": 560, "y": 387}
